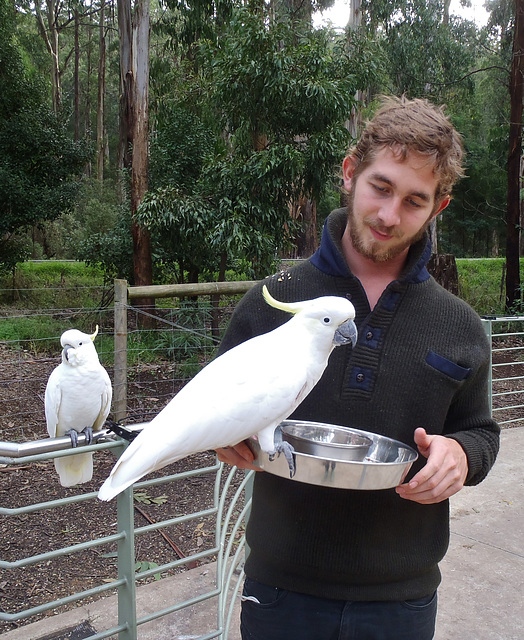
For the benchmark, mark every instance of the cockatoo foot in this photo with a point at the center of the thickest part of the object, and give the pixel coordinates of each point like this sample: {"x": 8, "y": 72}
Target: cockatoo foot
{"x": 289, "y": 453}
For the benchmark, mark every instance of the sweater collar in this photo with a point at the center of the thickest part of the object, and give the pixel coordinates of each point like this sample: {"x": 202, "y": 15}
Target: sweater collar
{"x": 329, "y": 257}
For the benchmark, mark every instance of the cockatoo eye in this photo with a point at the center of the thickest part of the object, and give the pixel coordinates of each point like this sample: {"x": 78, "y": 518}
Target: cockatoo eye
{"x": 327, "y": 320}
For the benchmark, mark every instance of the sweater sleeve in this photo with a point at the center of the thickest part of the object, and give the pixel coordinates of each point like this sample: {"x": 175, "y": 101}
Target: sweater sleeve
{"x": 469, "y": 419}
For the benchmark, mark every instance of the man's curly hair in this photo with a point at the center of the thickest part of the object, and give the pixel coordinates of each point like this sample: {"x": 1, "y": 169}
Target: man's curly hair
{"x": 405, "y": 125}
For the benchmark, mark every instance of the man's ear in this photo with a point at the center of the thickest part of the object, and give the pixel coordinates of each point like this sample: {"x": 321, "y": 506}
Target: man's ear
{"x": 349, "y": 164}
{"x": 442, "y": 205}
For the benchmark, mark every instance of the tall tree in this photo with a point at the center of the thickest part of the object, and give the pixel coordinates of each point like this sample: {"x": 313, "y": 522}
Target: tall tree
{"x": 133, "y": 23}
{"x": 100, "y": 125}
{"x": 513, "y": 289}
{"x": 49, "y": 27}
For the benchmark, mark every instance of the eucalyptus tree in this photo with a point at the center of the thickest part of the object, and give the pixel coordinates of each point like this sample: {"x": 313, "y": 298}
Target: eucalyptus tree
{"x": 428, "y": 50}
{"x": 133, "y": 28}
{"x": 516, "y": 87}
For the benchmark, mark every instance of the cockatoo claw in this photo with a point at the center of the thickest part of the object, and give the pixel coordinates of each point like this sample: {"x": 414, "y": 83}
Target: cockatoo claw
{"x": 88, "y": 431}
{"x": 289, "y": 453}
{"x": 74, "y": 437}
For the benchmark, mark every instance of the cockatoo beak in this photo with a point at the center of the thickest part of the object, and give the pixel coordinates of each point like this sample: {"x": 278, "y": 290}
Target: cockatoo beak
{"x": 345, "y": 333}
{"x": 93, "y": 336}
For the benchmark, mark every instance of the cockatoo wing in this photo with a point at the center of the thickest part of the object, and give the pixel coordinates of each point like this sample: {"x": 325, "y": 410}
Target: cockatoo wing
{"x": 52, "y": 400}
{"x": 106, "y": 397}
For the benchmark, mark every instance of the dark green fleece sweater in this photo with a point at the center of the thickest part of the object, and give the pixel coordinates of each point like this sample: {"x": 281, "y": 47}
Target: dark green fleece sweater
{"x": 422, "y": 359}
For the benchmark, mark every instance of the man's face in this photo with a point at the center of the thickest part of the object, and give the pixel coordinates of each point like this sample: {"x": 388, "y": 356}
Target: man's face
{"x": 391, "y": 203}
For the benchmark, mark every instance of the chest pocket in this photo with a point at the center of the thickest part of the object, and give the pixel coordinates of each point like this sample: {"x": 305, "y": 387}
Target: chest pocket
{"x": 447, "y": 367}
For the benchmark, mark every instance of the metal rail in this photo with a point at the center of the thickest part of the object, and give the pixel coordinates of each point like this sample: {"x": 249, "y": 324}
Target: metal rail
{"x": 227, "y": 528}
{"x": 506, "y": 335}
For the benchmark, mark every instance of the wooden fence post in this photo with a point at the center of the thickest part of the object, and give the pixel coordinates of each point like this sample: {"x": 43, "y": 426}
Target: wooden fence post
{"x": 120, "y": 367}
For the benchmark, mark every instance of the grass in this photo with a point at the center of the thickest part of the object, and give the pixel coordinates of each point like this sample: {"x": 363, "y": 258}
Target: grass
{"x": 481, "y": 284}
{"x": 52, "y": 284}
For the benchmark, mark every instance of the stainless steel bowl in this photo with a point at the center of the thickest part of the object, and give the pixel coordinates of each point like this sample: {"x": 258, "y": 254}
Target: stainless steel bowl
{"x": 385, "y": 466}
{"x": 326, "y": 440}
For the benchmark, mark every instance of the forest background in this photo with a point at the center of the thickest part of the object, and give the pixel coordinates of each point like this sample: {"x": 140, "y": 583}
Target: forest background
{"x": 174, "y": 140}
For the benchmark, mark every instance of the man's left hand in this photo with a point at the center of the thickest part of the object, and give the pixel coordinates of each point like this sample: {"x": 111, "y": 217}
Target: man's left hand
{"x": 444, "y": 473}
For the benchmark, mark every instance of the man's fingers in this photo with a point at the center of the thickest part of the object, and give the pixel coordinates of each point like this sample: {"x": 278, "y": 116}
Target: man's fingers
{"x": 239, "y": 456}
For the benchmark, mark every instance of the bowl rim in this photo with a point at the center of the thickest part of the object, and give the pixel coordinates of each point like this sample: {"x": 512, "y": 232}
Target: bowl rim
{"x": 374, "y": 437}
{"x": 334, "y": 427}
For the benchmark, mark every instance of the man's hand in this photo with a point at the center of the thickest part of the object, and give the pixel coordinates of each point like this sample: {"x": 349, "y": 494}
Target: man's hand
{"x": 239, "y": 456}
{"x": 444, "y": 473}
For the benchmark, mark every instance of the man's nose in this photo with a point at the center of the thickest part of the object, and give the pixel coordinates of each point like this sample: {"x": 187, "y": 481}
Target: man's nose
{"x": 389, "y": 214}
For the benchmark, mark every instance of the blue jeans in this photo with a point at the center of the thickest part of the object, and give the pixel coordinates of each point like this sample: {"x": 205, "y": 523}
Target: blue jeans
{"x": 269, "y": 613}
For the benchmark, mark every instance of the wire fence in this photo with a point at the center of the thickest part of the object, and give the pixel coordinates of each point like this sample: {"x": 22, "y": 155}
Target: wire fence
{"x": 507, "y": 386}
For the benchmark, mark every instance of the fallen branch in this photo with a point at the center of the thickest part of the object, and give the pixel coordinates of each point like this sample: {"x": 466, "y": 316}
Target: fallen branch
{"x": 191, "y": 565}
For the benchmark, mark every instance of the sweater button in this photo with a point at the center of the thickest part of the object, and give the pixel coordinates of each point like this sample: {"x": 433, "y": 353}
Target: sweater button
{"x": 369, "y": 335}
{"x": 360, "y": 377}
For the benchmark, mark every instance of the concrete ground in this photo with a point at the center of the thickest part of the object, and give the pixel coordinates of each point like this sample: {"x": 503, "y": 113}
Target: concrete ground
{"x": 481, "y": 596}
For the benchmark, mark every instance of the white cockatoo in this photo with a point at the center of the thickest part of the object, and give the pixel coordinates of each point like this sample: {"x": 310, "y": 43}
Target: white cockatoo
{"x": 247, "y": 390}
{"x": 77, "y": 399}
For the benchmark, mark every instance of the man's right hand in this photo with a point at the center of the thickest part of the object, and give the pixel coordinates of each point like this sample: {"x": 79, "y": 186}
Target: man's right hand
{"x": 240, "y": 455}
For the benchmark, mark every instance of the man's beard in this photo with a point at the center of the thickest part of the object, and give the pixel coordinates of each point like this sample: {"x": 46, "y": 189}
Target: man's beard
{"x": 374, "y": 250}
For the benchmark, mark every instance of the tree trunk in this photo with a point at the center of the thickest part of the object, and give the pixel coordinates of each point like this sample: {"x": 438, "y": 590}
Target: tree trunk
{"x": 100, "y": 131}
{"x": 52, "y": 16}
{"x": 125, "y": 35}
{"x": 77, "y": 76}
{"x": 134, "y": 127}
{"x": 305, "y": 213}
{"x": 513, "y": 290}
{"x": 49, "y": 33}
{"x": 443, "y": 268}
{"x": 142, "y": 262}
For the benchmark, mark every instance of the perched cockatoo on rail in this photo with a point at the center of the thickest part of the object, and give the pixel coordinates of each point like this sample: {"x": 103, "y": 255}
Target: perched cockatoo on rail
{"x": 246, "y": 391}
{"x": 77, "y": 399}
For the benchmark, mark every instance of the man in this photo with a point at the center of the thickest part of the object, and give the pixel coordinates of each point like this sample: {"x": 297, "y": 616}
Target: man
{"x": 330, "y": 564}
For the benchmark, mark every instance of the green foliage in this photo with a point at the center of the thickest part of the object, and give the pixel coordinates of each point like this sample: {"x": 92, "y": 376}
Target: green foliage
{"x": 110, "y": 250}
{"x": 247, "y": 110}
{"x": 38, "y": 160}
{"x": 474, "y": 224}
{"x": 425, "y": 55}
{"x": 269, "y": 128}
{"x": 179, "y": 148}
{"x": 144, "y": 498}
{"x": 188, "y": 337}
{"x": 17, "y": 90}
{"x": 144, "y": 565}
{"x": 52, "y": 284}
{"x": 40, "y": 333}
{"x": 37, "y": 173}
